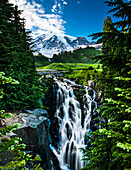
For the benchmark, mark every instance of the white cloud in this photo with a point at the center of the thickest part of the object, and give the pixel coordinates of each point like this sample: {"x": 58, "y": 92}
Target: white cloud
{"x": 59, "y": 5}
{"x": 37, "y": 18}
{"x": 65, "y": 3}
{"x": 54, "y": 9}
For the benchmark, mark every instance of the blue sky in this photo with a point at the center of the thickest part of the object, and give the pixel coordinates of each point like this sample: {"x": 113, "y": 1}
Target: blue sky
{"x": 85, "y": 17}
{"x": 69, "y": 17}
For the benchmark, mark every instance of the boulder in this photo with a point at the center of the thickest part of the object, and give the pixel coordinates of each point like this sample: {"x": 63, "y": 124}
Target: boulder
{"x": 38, "y": 112}
{"x": 35, "y": 133}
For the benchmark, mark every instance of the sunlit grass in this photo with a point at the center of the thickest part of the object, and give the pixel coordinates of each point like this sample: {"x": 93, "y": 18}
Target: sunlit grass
{"x": 79, "y": 72}
{"x": 70, "y": 66}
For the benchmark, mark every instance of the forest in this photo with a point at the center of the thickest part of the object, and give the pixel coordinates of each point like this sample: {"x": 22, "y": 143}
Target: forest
{"x": 80, "y": 55}
{"x": 108, "y": 147}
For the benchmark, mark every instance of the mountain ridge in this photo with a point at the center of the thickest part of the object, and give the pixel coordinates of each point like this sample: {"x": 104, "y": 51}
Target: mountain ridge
{"x": 48, "y": 45}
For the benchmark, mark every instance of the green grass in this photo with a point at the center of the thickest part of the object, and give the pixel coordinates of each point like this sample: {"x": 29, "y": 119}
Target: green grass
{"x": 70, "y": 66}
{"x": 81, "y": 55}
{"x": 81, "y": 76}
{"x": 78, "y": 72}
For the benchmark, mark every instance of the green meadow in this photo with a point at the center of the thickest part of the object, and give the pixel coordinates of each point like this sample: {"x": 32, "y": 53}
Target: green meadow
{"x": 79, "y": 72}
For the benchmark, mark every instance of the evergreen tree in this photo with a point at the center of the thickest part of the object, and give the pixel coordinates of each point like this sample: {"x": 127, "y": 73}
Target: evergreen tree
{"x": 107, "y": 27}
{"x": 107, "y": 24}
{"x": 12, "y": 154}
{"x": 110, "y": 146}
{"x": 17, "y": 61}
{"x": 117, "y": 37}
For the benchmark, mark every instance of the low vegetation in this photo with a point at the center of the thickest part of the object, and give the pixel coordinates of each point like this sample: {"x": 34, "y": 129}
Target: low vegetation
{"x": 71, "y": 66}
{"x": 81, "y": 55}
{"x": 79, "y": 72}
{"x": 41, "y": 60}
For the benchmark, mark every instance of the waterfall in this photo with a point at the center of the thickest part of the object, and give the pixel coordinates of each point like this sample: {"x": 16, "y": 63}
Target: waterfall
{"x": 73, "y": 123}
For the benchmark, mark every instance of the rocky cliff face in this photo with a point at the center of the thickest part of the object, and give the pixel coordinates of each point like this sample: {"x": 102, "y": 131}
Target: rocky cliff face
{"x": 80, "y": 41}
{"x": 34, "y": 132}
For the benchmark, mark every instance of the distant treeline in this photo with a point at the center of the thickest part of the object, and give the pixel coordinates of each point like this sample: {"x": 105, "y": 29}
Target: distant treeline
{"x": 81, "y": 55}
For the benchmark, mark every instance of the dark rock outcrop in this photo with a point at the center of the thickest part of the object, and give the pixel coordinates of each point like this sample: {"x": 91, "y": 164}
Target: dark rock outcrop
{"x": 68, "y": 40}
{"x": 34, "y": 134}
{"x": 80, "y": 41}
{"x": 53, "y": 42}
{"x": 34, "y": 131}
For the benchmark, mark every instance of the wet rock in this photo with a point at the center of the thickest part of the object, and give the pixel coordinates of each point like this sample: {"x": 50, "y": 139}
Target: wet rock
{"x": 61, "y": 114}
{"x": 93, "y": 125}
{"x": 54, "y": 161}
{"x": 91, "y": 83}
{"x": 69, "y": 131}
{"x": 94, "y": 115}
{"x": 90, "y": 92}
{"x": 93, "y": 104}
{"x": 2, "y": 123}
{"x": 23, "y": 114}
{"x": 73, "y": 158}
{"x": 38, "y": 112}
{"x": 29, "y": 111}
{"x": 34, "y": 132}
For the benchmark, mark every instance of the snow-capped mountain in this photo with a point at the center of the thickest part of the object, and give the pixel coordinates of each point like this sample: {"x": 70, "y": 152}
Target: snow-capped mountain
{"x": 54, "y": 44}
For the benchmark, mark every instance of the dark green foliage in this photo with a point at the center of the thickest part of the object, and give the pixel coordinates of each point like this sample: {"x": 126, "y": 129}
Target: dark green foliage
{"x": 12, "y": 154}
{"x": 109, "y": 148}
{"x": 117, "y": 37}
{"x": 17, "y": 61}
{"x": 41, "y": 60}
{"x": 107, "y": 24}
{"x": 77, "y": 56}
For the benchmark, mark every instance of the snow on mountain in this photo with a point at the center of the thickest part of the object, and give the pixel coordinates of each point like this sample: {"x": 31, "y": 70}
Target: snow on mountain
{"x": 96, "y": 46}
{"x": 49, "y": 44}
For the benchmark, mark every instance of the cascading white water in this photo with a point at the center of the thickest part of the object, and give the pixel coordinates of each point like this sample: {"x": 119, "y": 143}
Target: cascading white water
{"x": 73, "y": 126}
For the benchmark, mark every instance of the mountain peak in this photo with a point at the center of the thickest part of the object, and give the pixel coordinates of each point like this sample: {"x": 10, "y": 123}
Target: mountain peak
{"x": 54, "y": 44}
{"x": 83, "y": 40}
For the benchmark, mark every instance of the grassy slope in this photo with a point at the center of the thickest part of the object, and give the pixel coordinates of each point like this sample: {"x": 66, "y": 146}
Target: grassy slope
{"x": 82, "y": 55}
{"x": 79, "y": 72}
{"x": 78, "y": 63}
{"x": 69, "y": 66}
